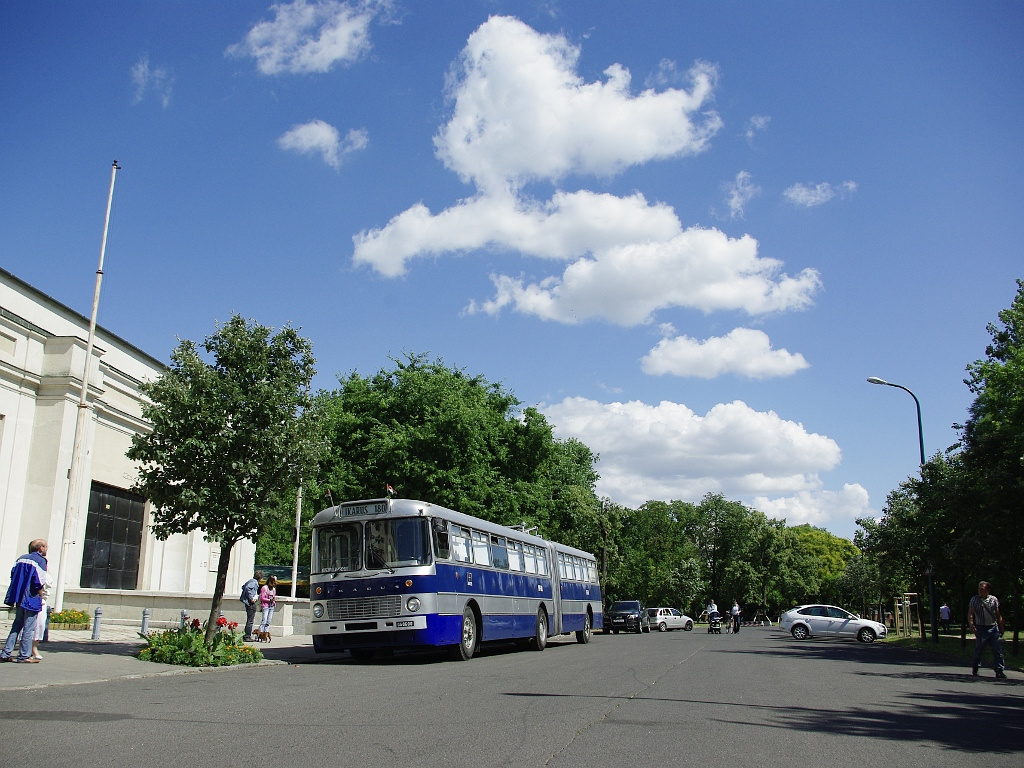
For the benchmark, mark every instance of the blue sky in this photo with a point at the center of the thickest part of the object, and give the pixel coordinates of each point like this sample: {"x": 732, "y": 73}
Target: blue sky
{"x": 687, "y": 231}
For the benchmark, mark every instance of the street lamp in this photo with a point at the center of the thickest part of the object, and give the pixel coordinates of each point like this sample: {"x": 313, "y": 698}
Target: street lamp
{"x": 920, "y": 438}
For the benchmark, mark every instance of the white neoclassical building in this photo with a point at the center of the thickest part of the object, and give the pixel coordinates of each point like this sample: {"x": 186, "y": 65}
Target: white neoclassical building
{"x": 113, "y": 561}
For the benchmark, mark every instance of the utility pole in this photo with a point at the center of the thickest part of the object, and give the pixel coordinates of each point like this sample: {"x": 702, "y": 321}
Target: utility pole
{"x": 74, "y": 481}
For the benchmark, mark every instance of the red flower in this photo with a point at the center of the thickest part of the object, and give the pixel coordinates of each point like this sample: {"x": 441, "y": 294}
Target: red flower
{"x": 233, "y": 625}
{"x": 195, "y": 624}
{"x": 222, "y": 622}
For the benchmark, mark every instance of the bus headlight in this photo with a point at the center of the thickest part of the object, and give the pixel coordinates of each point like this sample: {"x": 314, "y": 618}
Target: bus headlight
{"x": 318, "y": 610}
{"x": 413, "y": 604}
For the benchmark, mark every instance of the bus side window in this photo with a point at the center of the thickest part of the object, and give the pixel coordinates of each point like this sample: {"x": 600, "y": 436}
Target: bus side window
{"x": 460, "y": 545}
{"x": 499, "y": 552}
{"x": 563, "y": 567}
{"x": 515, "y": 556}
{"x": 481, "y": 556}
{"x": 531, "y": 558}
{"x": 542, "y": 562}
{"x": 442, "y": 546}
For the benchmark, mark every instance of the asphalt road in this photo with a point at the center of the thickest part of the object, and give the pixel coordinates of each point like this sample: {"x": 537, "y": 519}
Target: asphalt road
{"x": 756, "y": 698}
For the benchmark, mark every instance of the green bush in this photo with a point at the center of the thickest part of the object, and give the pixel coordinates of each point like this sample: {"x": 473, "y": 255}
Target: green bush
{"x": 186, "y": 646}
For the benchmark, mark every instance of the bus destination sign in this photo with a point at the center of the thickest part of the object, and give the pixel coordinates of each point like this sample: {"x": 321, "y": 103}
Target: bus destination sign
{"x": 362, "y": 509}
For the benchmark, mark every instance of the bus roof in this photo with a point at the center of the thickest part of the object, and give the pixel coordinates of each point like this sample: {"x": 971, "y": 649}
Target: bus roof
{"x": 414, "y": 508}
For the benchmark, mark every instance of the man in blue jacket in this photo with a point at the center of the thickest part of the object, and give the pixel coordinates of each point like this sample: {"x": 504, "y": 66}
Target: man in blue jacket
{"x": 27, "y": 580}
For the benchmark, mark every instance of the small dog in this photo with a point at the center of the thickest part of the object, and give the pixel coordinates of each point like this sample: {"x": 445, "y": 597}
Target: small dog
{"x": 261, "y": 637}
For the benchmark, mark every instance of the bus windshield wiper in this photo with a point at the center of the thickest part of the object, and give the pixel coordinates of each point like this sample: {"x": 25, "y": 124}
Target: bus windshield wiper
{"x": 376, "y": 554}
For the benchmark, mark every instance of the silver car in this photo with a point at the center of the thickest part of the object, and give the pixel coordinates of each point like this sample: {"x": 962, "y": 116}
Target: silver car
{"x": 666, "y": 619}
{"x": 829, "y": 621}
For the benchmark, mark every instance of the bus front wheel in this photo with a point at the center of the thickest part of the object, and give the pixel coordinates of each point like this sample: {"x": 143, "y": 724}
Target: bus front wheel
{"x": 465, "y": 649}
{"x": 540, "y": 641}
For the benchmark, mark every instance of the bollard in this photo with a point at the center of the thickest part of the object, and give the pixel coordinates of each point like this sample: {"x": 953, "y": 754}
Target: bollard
{"x": 96, "y": 624}
{"x": 184, "y": 618}
{"x": 145, "y": 621}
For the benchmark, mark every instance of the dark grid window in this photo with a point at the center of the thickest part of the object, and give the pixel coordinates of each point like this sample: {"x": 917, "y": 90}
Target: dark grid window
{"x": 113, "y": 538}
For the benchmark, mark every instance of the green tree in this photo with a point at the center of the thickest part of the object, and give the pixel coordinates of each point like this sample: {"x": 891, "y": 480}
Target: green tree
{"x": 717, "y": 529}
{"x": 230, "y": 436}
{"x": 831, "y": 554}
{"x": 657, "y": 560}
{"x": 993, "y": 440}
{"x": 438, "y": 434}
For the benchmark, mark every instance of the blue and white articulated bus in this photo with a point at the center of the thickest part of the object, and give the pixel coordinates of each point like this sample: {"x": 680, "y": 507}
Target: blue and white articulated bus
{"x": 397, "y": 573}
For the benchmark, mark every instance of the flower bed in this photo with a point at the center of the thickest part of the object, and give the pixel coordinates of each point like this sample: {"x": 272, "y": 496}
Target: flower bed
{"x": 69, "y": 618}
{"x": 186, "y": 646}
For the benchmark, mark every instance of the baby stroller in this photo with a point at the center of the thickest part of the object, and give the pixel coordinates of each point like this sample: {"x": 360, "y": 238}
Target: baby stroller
{"x": 714, "y": 623}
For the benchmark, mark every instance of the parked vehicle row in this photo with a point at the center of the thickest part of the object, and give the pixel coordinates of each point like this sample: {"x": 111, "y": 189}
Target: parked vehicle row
{"x": 632, "y": 616}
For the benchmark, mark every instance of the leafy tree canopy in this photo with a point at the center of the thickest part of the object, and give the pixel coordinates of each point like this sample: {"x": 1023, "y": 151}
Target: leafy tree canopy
{"x": 231, "y": 434}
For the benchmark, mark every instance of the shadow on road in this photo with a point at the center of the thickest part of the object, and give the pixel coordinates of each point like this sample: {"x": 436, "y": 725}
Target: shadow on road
{"x": 983, "y": 723}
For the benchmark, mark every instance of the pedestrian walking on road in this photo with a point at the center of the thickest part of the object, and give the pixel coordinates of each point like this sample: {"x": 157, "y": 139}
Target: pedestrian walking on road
{"x": 944, "y": 617}
{"x": 28, "y": 578}
{"x": 987, "y": 623}
{"x": 735, "y": 613}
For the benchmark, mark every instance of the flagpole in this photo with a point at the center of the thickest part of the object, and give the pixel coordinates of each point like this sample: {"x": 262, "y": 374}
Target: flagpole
{"x": 71, "y": 505}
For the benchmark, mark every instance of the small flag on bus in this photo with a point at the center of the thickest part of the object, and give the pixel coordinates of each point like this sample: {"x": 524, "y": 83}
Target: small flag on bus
{"x": 390, "y": 490}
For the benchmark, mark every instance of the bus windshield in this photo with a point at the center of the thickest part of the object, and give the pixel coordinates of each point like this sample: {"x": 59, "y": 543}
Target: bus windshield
{"x": 339, "y": 548}
{"x": 397, "y": 542}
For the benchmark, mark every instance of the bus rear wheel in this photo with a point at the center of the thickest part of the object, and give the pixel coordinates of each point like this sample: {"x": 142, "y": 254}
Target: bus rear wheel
{"x": 464, "y": 650}
{"x": 540, "y": 641}
{"x": 583, "y": 635}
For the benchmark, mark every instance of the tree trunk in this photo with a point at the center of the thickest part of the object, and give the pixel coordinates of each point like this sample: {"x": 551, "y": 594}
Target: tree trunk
{"x": 218, "y": 590}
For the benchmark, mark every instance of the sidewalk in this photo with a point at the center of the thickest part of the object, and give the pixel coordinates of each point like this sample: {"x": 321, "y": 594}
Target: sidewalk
{"x": 72, "y": 657}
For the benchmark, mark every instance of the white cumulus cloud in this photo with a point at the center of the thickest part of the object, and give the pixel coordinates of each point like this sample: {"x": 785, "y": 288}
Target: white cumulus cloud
{"x": 569, "y": 225}
{"x": 521, "y": 112}
{"x": 667, "y": 451}
{"x": 819, "y": 507}
{"x": 310, "y": 37}
{"x": 809, "y": 196}
{"x": 699, "y": 268}
{"x": 318, "y": 137}
{"x": 743, "y": 351}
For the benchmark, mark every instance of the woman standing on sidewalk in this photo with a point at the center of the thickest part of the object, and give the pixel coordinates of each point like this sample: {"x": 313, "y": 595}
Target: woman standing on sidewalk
{"x": 268, "y": 601}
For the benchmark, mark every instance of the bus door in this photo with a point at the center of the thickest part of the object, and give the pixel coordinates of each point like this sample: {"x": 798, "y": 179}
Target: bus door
{"x": 556, "y": 591}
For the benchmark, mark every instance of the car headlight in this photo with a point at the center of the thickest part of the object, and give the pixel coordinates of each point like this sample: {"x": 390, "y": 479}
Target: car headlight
{"x": 413, "y": 604}
{"x": 318, "y": 610}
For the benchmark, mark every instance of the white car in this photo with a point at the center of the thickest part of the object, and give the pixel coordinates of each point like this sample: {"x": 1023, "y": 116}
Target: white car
{"x": 666, "y": 619}
{"x": 829, "y": 621}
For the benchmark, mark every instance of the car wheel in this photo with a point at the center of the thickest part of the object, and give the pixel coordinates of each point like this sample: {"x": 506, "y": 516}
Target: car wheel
{"x": 662, "y": 627}
{"x": 800, "y": 632}
{"x": 615, "y": 631}
{"x": 583, "y": 635}
{"x": 639, "y": 627}
{"x": 465, "y": 649}
{"x": 866, "y": 635}
{"x": 689, "y": 626}
{"x": 540, "y": 641}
